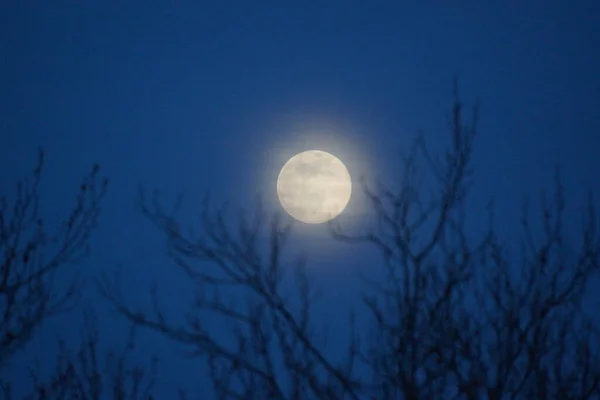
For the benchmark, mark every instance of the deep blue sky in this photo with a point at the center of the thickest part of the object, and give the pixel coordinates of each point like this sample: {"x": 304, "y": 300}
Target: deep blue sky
{"x": 202, "y": 96}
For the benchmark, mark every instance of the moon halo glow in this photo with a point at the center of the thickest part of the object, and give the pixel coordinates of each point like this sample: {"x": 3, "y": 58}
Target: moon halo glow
{"x": 314, "y": 187}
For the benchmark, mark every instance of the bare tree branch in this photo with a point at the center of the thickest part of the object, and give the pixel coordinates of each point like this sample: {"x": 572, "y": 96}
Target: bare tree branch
{"x": 31, "y": 256}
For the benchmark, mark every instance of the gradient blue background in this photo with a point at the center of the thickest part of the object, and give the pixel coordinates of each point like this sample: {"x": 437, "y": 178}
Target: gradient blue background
{"x": 199, "y": 97}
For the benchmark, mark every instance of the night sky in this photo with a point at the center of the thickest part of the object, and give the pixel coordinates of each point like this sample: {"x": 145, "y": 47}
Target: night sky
{"x": 213, "y": 97}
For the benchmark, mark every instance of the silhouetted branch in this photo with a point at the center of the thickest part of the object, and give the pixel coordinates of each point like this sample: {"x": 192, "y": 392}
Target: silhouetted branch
{"x": 30, "y": 256}
{"x": 271, "y": 341}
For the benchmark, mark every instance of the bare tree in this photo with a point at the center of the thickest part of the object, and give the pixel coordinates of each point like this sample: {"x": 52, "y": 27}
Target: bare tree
{"x": 31, "y": 256}
{"x": 427, "y": 261}
{"x": 455, "y": 315}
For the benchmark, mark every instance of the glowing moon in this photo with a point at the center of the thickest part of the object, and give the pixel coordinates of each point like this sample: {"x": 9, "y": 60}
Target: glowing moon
{"x": 314, "y": 186}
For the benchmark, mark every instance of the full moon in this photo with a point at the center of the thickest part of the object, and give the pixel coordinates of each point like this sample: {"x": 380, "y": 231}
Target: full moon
{"x": 314, "y": 187}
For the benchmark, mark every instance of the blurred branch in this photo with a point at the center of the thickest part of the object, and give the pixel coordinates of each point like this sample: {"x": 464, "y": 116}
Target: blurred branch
{"x": 269, "y": 333}
{"x": 30, "y": 256}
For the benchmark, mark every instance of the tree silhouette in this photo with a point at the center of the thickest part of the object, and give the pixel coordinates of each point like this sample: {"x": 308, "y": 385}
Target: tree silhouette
{"x": 31, "y": 256}
{"x": 457, "y": 315}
